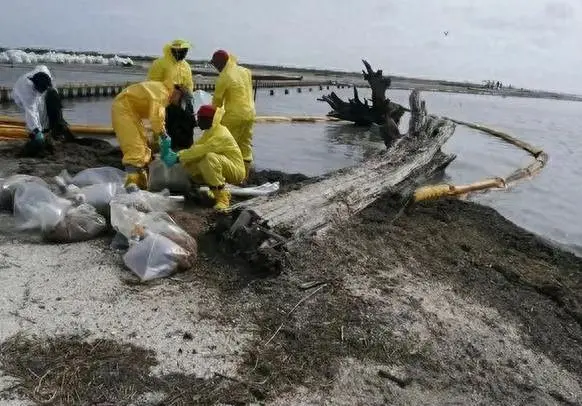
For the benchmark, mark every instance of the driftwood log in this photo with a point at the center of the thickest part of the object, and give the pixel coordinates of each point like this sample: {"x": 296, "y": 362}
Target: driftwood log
{"x": 267, "y": 223}
{"x": 381, "y": 111}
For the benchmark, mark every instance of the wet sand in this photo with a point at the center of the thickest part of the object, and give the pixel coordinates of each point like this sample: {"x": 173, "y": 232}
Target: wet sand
{"x": 448, "y": 303}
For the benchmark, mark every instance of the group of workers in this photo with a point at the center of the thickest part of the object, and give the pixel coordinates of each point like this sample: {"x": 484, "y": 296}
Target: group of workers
{"x": 223, "y": 154}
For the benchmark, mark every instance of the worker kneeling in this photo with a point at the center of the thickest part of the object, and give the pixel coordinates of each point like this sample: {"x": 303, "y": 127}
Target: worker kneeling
{"x": 214, "y": 160}
{"x": 141, "y": 101}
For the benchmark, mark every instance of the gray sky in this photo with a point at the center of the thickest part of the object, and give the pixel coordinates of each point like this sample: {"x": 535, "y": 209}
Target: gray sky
{"x": 530, "y": 43}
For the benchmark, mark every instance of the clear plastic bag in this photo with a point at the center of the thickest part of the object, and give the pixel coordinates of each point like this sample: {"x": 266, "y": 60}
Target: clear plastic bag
{"x": 124, "y": 219}
{"x": 8, "y": 187}
{"x": 80, "y": 223}
{"x": 99, "y": 196}
{"x": 155, "y": 257}
{"x": 36, "y": 207}
{"x": 145, "y": 201}
{"x": 175, "y": 179}
{"x": 163, "y": 224}
{"x": 199, "y": 99}
{"x": 91, "y": 176}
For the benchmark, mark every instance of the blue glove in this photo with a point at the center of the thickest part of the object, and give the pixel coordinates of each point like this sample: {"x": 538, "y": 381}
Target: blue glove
{"x": 38, "y": 136}
{"x": 165, "y": 145}
{"x": 170, "y": 158}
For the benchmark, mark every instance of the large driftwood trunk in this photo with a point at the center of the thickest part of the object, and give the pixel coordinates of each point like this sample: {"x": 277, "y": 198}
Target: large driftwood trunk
{"x": 314, "y": 207}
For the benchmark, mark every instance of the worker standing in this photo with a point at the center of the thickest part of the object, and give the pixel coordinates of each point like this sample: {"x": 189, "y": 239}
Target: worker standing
{"x": 180, "y": 118}
{"x": 138, "y": 102}
{"x": 214, "y": 160}
{"x": 34, "y": 93}
{"x": 234, "y": 92}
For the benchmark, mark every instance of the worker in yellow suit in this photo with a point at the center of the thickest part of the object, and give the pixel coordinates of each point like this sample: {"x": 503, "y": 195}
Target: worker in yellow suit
{"x": 173, "y": 65}
{"x": 214, "y": 160}
{"x": 234, "y": 92}
{"x": 138, "y": 102}
{"x": 180, "y": 118}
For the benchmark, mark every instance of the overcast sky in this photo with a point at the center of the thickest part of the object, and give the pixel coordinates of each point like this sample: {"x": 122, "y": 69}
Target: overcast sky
{"x": 530, "y": 43}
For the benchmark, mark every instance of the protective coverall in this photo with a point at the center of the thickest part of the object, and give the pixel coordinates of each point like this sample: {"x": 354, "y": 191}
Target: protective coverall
{"x": 168, "y": 68}
{"x": 30, "y": 101}
{"x": 140, "y": 101}
{"x": 214, "y": 160}
{"x": 234, "y": 92}
{"x": 180, "y": 119}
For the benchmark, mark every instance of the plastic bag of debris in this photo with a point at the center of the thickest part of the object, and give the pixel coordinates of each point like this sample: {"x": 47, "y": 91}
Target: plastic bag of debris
{"x": 124, "y": 219}
{"x": 155, "y": 257}
{"x": 127, "y": 210}
{"x": 145, "y": 201}
{"x": 8, "y": 187}
{"x": 161, "y": 223}
{"x": 80, "y": 223}
{"x": 91, "y": 176}
{"x": 175, "y": 179}
{"x": 36, "y": 207}
{"x": 99, "y": 195}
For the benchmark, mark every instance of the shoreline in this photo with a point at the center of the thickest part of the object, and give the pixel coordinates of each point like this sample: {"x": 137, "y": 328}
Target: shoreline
{"x": 342, "y": 77}
{"x": 449, "y": 302}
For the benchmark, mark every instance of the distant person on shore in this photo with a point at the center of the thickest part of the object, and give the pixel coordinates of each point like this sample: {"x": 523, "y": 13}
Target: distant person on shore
{"x": 214, "y": 159}
{"x": 234, "y": 92}
{"x": 141, "y": 101}
{"x": 35, "y": 95}
{"x": 180, "y": 117}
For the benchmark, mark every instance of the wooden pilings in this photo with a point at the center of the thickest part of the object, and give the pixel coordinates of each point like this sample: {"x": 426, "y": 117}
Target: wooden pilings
{"x": 85, "y": 90}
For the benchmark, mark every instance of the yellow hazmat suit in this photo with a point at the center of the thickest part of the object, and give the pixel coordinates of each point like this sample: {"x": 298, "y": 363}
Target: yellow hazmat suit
{"x": 140, "y": 101}
{"x": 168, "y": 68}
{"x": 234, "y": 92}
{"x": 215, "y": 158}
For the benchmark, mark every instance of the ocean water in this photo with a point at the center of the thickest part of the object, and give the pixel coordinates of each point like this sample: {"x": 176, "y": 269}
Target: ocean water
{"x": 547, "y": 204}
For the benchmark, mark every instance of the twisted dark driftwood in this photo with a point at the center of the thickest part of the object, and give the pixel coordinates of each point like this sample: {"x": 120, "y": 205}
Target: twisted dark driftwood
{"x": 382, "y": 111}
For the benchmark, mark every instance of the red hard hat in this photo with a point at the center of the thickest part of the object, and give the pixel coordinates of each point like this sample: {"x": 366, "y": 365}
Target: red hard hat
{"x": 206, "y": 111}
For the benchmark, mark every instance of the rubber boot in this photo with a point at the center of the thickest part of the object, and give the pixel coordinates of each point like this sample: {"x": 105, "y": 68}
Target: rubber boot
{"x": 222, "y": 200}
{"x": 138, "y": 178}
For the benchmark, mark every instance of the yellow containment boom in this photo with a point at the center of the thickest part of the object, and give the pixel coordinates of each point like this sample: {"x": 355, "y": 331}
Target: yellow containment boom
{"x": 7, "y": 123}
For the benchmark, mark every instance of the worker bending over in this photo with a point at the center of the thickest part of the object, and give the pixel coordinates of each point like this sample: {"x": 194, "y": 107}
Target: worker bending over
{"x": 141, "y": 101}
{"x": 214, "y": 160}
{"x": 34, "y": 93}
{"x": 180, "y": 118}
{"x": 234, "y": 92}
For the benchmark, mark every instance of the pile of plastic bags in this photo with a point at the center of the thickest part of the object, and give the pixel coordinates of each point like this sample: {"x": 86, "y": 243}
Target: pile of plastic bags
{"x": 17, "y": 56}
{"x": 84, "y": 206}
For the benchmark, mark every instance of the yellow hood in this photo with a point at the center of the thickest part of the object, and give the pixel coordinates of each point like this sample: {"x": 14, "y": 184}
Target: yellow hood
{"x": 232, "y": 61}
{"x": 176, "y": 44}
